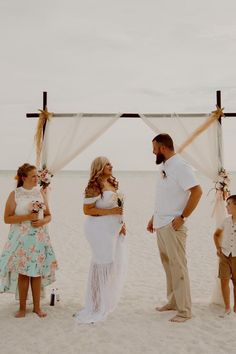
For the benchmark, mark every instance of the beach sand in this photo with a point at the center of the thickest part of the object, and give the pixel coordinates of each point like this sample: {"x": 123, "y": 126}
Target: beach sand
{"x": 135, "y": 326}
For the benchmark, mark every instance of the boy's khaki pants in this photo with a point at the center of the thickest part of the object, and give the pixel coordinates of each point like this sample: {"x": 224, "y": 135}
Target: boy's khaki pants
{"x": 171, "y": 245}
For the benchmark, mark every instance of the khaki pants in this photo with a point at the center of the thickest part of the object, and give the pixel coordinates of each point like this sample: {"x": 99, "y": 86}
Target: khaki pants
{"x": 171, "y": 245}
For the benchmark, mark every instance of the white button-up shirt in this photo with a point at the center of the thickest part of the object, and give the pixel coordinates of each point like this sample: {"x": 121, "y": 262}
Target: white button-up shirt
{"x": 174, "y": 180}
{"x": 228, "y": 244}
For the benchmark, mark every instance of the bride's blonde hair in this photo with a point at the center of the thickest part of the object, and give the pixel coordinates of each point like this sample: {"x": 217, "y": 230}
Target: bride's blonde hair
{"x": 95, "y": 184}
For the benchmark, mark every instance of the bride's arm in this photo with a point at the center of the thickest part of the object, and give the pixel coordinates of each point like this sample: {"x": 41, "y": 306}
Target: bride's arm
{"x": 92, "y": 210}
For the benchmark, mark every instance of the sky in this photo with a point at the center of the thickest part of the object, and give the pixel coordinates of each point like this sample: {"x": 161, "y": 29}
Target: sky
{"x": 148, "y": 56}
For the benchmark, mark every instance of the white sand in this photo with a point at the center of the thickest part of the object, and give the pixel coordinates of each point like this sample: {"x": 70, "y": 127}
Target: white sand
{"x": 135, "y": 327}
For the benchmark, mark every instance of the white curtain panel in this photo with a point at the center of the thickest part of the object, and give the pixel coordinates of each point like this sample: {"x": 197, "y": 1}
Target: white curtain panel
{"x": 65, "y": 138}
{"x": 204, "y": 153}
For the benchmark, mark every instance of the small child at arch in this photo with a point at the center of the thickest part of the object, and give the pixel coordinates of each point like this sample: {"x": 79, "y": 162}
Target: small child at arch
{"x": 225, "y": 242}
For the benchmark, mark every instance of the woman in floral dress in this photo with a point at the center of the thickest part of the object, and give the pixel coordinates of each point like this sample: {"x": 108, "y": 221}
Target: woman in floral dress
{"x": 105, "y": 231}
{"x": 28, "y": 257}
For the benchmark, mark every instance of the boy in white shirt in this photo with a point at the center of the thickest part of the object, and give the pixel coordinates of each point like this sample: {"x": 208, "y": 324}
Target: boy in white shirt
{"x": 225, "y": 242}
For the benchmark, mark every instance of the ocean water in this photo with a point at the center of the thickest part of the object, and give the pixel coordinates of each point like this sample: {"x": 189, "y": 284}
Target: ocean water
{"x": 67, "y": 187}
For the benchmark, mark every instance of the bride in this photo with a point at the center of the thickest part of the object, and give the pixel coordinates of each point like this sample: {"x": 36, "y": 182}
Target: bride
{"x": 105, "y": 232}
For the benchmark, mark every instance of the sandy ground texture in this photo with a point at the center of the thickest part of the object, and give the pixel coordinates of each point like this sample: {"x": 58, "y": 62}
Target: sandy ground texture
{"x": 135, "y": 326}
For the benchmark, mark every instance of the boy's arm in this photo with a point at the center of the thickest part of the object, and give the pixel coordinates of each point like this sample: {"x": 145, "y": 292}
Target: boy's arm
{"x": 217, "y": 240}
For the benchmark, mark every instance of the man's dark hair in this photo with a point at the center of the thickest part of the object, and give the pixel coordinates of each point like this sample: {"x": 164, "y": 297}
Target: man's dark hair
{"x": 165, "y": 140}
{"x": 233, "y": 197}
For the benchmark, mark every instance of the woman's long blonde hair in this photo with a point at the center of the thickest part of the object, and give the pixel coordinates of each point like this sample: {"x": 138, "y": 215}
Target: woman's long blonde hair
{"x": 95, "y": 184}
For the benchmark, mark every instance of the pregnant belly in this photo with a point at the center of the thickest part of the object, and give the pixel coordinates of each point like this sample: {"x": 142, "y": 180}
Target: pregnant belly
{"x": 107, "y": 224}
{"x": 102, "y": 234}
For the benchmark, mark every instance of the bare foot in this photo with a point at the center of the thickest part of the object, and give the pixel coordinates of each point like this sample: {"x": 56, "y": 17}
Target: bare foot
{"x": 20, "y": 314}
{"x": 40, "y": 313}
{"x": 166, "y": 307}
{"x": 225, "y": 314}
{"x": 179, "y": 319}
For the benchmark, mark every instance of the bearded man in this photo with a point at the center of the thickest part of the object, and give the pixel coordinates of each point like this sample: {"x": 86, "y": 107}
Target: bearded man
{"x": 177, "y": 195}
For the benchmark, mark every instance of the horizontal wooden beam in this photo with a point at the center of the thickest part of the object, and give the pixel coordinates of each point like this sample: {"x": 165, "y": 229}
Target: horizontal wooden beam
{"x": 125, "y": 115}
{"x": 230, "y": 114}
{"x": 131, "y": 115}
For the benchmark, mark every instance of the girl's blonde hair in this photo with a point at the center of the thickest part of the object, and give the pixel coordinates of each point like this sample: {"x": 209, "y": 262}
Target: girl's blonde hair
{"x": 95, "y": 184}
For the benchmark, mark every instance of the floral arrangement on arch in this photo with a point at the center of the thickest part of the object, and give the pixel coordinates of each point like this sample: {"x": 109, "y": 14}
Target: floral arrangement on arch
{"x": 44, "y": 176}
{"x": 222, "y": 183}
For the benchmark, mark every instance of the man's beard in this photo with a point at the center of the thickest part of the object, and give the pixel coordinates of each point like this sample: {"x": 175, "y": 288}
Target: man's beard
{"x": 160, "y": 158}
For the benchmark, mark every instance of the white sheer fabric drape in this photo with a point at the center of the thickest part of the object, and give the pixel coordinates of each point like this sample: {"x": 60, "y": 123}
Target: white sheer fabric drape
{"x": 203, "y": 153}
{"x": 65, "y": 138}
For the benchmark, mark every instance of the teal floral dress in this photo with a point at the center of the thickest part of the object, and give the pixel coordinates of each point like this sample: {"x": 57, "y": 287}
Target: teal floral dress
{"x": 28, "y": 250}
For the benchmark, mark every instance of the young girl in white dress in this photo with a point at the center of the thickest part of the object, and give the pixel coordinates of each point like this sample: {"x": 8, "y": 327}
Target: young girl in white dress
{"x": 28, "y": 256}
{"x": 105, "y": 232}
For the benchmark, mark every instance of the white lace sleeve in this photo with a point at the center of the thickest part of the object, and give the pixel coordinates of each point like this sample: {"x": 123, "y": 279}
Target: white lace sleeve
{"x": 91, "y": 200}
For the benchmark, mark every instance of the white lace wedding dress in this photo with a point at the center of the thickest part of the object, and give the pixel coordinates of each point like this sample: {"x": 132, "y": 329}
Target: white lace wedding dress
{"x": 109, "y": 261}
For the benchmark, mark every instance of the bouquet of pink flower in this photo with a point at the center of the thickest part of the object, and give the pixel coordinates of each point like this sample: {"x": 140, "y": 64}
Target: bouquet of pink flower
{"x": 36, "y": 206}
{"x": 44, "y": 176}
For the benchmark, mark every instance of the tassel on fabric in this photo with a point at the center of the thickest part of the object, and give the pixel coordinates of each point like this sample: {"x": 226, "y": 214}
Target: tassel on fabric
{"x": 43, "y": 117}
{"x": 211, "y": 119}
